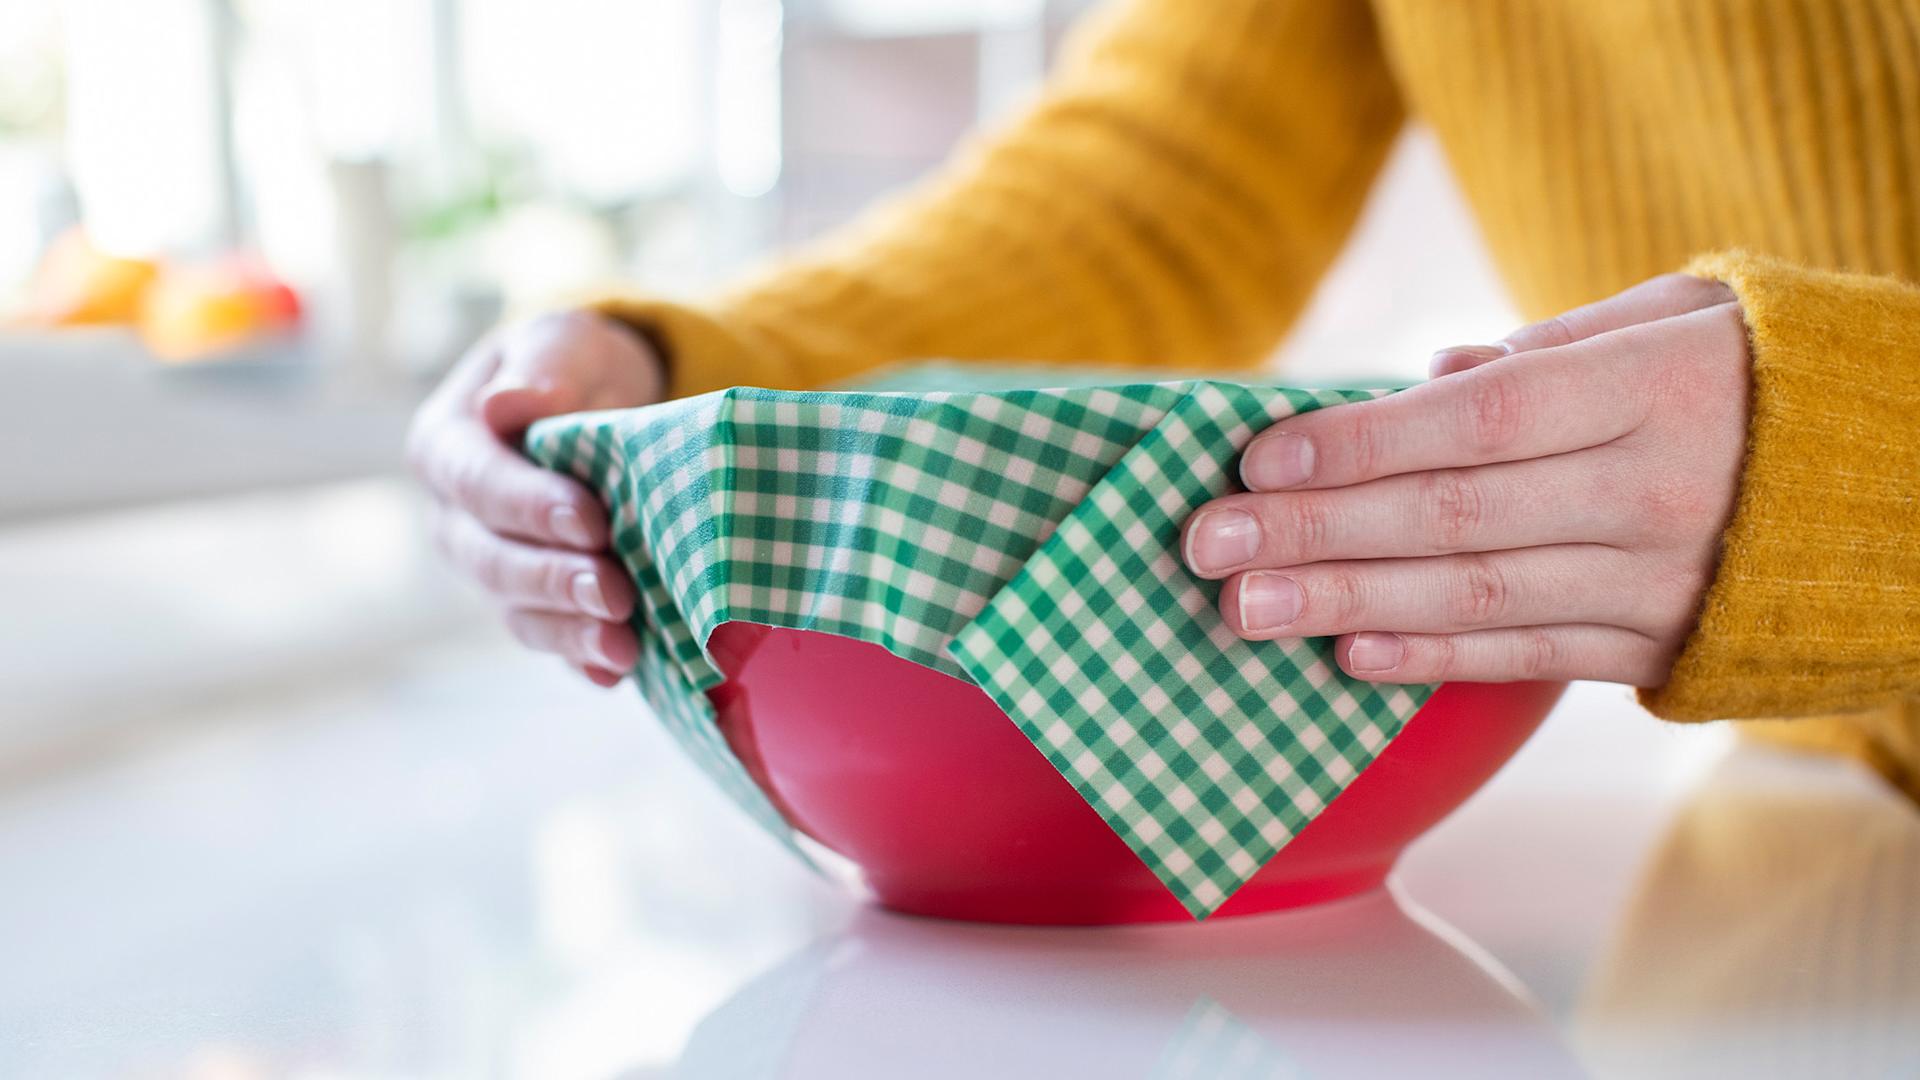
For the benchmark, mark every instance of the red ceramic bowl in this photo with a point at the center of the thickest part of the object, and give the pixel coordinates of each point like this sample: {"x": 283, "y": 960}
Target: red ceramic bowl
{"x": 922, "y": 781}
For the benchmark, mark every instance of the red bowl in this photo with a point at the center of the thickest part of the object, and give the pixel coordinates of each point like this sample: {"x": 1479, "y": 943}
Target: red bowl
{"x": 921, "y": 780}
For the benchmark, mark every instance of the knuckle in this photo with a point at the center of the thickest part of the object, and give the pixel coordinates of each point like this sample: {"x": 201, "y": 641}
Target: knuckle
{"x": 554, "y": 580}
{"x": 1669, "y": 499}
{"x": 1438, "y": 658}
{"x": 1365, "y": 440}
{"x": 1539, "y": 654}
{"x": 1495, "y": 410}
{"x": 1306, "y": 523}
{"x": 1548, "y": 333}
{"x": 1559, "y": 330}
{"x": 1340, "y": 599}
{"x": 1480, "y": 594}
{"x": 1456, "y": 506}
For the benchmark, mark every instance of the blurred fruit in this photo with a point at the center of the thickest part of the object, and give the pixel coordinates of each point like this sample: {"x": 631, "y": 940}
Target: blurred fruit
{"x": 77, "y": 284}
{"x": 193, "y": 312}
{"x": 183, "y": 311}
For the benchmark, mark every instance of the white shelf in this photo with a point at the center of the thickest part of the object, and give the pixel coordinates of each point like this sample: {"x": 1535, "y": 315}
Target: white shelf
{"x": 89, "y": 421}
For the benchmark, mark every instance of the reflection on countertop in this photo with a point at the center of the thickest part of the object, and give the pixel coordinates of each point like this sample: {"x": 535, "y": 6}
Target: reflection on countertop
{"x": 402, "y": 847}
{"x": 1370, "y": 986}
{"x": 1776, "y": 932}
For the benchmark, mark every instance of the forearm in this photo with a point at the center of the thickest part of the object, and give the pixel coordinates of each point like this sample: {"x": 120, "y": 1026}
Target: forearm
{"x": 1169, "y": 202}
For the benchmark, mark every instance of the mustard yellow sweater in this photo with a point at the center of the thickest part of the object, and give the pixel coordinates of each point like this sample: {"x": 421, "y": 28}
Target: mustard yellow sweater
{"x": 1195, "y": 166}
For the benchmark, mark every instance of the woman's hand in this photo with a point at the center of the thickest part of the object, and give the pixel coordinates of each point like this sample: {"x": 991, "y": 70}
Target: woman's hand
{"x": 1546, "y": 508}
{"x": 535, "y": 539}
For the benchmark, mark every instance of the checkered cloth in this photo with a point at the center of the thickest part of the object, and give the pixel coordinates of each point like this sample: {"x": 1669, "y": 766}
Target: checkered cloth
{"x": 1025, "y": 540}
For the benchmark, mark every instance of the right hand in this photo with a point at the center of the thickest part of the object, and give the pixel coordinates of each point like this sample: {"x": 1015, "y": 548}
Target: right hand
{"x": 533, "y": 538}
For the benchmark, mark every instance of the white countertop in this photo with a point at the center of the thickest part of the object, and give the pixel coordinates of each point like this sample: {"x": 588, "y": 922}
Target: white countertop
{"x": 451, "y": 860}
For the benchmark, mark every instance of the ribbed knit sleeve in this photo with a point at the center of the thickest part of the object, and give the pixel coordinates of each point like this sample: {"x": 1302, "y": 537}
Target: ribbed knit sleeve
{"x": 1815, "y": 606}
{"x": 1170, "y": 201}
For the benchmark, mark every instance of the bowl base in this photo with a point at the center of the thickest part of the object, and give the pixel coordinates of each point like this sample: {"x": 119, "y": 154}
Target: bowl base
{"x": 997, "y": 903}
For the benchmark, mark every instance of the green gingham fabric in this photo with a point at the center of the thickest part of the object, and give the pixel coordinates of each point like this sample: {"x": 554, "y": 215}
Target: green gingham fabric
{"x": 1025, "y": 540}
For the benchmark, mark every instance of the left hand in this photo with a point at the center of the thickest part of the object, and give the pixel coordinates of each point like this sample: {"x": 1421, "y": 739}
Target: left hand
{"x": 1549, "y": 507}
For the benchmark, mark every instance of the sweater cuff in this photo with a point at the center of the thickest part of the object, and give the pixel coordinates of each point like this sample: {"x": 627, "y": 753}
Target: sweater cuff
{"x": 1815, "y": 605}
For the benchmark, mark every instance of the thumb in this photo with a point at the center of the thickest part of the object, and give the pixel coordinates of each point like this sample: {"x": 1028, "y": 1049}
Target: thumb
{"x": 552, "y": 365}
{"x": 510, "y": 405}
{"x": 530, "y": 384}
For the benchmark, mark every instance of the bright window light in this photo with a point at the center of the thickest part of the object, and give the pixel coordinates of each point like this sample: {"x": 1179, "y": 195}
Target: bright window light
{"x": 898, "y": 17}
{"x": 746, "y": 93}
{"x": 141, "y": 133}
{"x": 606, "y": 93}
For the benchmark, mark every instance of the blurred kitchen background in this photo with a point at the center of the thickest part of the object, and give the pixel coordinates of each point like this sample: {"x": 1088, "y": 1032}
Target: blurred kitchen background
{"x": 240, "y": 238}
{"x": 248, "y": 726}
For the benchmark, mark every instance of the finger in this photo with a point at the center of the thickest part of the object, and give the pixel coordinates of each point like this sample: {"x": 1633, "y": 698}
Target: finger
{"x": 1566, "y": 652}
{"x": 541, "y": 373}
{"x": 566, "y": 362}
{"x": 1507, "y": 410}
{"x": 600, "y": 677}
{"x": 1458, "y": 358}
{"x": 579, "y": 640}
{"x": 449, "y": 402}
{"x": 1566, "y": 498}
{"x": 468, "y": 467}
{"x": 537, "y": 578}
{"x": 1567, "y": 583}
{"x": 1656, "y": 298}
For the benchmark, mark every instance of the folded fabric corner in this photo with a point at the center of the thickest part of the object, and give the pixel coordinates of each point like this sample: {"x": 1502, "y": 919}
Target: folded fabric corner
{"x": 1204, "y": 752}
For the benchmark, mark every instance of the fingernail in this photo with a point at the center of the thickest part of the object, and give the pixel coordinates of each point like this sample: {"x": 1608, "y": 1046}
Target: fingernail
{"x": 1478, "y": 352}
{"x": 597, "y": 652}
{"x": 590, "y": 596}
{"x": 1268, "y": 601}
{"x": 1440, "y": 362}
{"x": 502, "y": 384}
{"x": 1219, "y": 539}
{"x": 1281, "y": 460}
{"x": 1373, "y": 651}
{"x": 569, "y": 526}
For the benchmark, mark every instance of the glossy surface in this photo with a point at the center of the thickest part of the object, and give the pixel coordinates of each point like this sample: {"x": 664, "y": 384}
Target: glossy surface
{"x": 949, "y": 810}
{"x": 392, "y": 848}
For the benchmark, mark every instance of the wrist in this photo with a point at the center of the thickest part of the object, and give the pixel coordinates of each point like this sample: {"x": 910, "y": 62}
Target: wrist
{"x": 1815, "y": 603}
